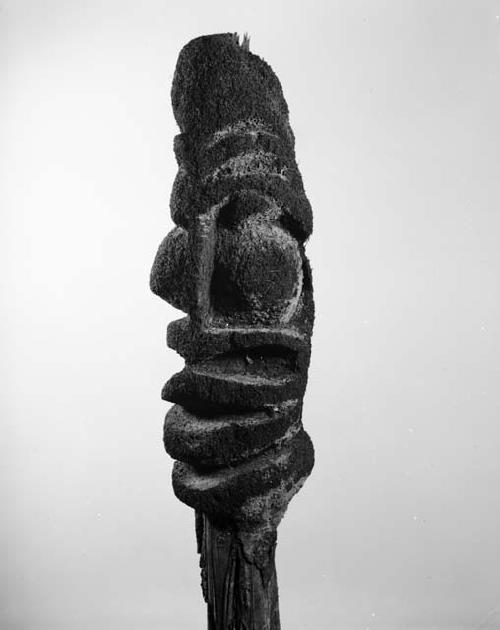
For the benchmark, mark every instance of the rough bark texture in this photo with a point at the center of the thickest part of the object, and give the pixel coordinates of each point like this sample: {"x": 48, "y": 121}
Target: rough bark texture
{"x": 235, "y": 263}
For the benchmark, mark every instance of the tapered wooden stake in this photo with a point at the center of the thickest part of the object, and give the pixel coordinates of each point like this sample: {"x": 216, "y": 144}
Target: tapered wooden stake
{"x": 241, "y": 591}
{"x": 235, "y": 263}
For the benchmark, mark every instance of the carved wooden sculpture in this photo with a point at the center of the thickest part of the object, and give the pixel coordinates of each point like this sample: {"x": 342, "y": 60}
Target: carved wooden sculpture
{"x": 235, "y": 264}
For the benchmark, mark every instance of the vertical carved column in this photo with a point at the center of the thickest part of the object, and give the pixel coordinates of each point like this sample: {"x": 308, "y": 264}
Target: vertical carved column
{"x": 236, "y": 265}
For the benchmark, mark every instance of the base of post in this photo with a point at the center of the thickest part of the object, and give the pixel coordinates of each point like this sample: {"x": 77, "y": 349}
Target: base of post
{"x": 238, "y": 576}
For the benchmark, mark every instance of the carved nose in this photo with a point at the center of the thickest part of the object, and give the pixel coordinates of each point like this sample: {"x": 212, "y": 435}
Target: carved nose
{"x": 169, "y": 278}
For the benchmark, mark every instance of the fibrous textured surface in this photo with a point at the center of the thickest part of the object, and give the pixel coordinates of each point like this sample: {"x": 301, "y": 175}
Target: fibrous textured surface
{"x": 235, "y": 263}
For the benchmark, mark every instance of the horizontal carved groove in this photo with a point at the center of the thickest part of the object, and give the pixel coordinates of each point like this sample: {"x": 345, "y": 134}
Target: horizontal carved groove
{"x": 249, "y": 127}
{"x": 269, "y": 361}
{"x": 196, "y": 345}
{"x": 257, "y": 163}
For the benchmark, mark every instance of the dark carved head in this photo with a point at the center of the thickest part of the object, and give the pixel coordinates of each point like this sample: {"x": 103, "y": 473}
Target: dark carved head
{"x": 235, "y": 264}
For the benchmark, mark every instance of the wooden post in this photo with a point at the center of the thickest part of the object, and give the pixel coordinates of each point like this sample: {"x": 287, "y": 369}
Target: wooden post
{"x": 235, "y": 263}
{"x": 240, "y": 588}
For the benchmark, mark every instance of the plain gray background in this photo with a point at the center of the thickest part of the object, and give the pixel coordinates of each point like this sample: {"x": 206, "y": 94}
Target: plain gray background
{"x": 395, "y": 107}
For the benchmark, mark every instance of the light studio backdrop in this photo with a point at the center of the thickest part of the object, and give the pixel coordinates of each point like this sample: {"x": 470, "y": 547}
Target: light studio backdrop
{"x": 395, "y": 107}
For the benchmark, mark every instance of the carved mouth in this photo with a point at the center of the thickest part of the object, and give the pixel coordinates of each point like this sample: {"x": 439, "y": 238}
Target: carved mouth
{"x": 261, "y": 362}
{"x": 235, "y": 429}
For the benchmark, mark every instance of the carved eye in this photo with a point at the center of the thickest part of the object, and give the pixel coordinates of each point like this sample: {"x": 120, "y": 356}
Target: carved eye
{"x": 257, "y": 276}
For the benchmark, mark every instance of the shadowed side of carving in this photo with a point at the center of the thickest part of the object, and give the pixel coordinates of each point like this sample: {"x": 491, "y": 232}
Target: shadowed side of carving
{"x": 235, "y": 264}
